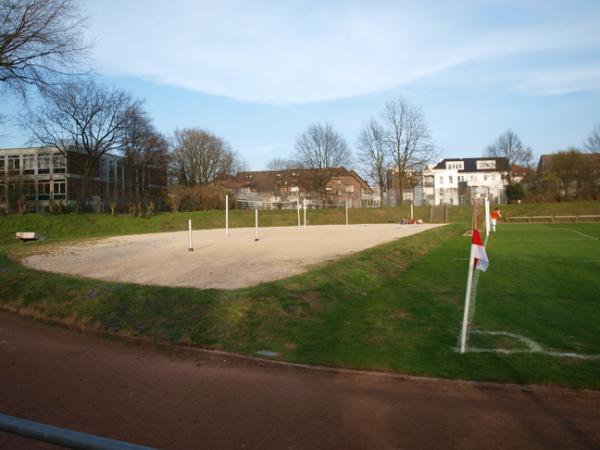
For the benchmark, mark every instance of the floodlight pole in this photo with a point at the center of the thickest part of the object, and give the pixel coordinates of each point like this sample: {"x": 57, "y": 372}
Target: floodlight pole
{"x": 190, "y": 246}
{"x": 226, "y": 216}
{"x": 305, "y": 214}
{"x": 463, "y": 334}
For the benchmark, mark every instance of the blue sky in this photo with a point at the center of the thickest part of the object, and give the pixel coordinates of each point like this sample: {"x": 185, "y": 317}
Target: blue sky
{"x": 258, "y": 73}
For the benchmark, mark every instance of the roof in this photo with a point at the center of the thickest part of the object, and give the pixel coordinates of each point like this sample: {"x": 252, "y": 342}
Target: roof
{"x": 266, "y": 180}
{"x": 470, "y": 164}
{"x": 547, "y": 160}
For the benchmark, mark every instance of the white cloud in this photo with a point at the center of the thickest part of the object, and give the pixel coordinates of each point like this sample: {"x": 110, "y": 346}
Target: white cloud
{"x": 290, "y": 52}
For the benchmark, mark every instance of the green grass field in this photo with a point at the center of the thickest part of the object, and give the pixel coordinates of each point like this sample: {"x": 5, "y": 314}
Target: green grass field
{"x": 545, "y": 285}
{"x": 395, "y": 307}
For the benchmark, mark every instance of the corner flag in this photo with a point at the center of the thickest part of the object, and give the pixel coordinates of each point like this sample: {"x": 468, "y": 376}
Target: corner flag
{"x": 478, "y": 252}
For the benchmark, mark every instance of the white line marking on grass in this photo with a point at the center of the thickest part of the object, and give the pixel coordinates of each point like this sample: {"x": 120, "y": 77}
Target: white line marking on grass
{"x": 496, "y": 258}
{"x": 532, "y": 347}
{"x": 593, "y": 238}
{"x": 543, "y": 240}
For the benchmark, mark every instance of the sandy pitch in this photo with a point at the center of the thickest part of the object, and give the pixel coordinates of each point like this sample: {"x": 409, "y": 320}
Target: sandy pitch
{"x": 163, "y": 258}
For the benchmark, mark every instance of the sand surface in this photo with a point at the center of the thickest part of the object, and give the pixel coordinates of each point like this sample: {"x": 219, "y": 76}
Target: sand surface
{"x": 216, "y": 262}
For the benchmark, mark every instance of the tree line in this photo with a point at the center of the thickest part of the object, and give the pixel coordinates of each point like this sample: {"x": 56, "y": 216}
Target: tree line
{"x": 570, "y": 174}
{"x": 43, "y": 59}
{"x": 400, "y": 139}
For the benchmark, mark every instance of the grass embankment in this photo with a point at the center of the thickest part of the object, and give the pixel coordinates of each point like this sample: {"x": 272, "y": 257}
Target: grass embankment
{"x": 72, "y": 226}
{"x": 394, "y": 307}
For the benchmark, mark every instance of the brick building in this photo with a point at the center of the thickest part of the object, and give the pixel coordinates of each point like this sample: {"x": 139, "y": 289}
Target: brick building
{"x": 36, "y": 177}
{"x": 284, "y": 188}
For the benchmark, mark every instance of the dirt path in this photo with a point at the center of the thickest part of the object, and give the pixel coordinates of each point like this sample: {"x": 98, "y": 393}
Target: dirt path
{"x": 217, "y": 262}
{"x": 192, "y": 400}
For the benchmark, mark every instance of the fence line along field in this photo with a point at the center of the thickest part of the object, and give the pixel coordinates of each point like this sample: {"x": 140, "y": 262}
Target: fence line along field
{"x": 236, "y": 261}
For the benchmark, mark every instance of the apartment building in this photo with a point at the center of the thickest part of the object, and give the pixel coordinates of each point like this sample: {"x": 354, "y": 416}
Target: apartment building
{"x": 454, "y": 181}
{"x": 34, "y": 178}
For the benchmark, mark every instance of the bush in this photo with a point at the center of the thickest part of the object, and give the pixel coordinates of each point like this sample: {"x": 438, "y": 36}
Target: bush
{"x": 196, "y": 198}
{"x": 515, "y": 191}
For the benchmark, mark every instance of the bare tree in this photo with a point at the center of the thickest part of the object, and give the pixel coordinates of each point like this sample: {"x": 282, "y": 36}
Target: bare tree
{"x": 321, "y": 148}
{"x": 199, "y": 157}
{"x": 408, "y": 138}
{"x": 40, "y": 40}
{"x": 283, "y": 164}
{"x": 84, "y": 117}
{"x": 143, "y": 149}
{"x": 592, "y": 143}
{"x": 509, "y": 146}
{"x": 373, "y": 154}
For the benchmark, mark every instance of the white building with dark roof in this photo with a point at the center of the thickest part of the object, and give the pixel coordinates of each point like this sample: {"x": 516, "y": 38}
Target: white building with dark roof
{"x": 453, "y": 181}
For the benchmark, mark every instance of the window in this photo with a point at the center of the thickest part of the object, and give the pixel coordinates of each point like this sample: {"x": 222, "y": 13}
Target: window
{"x": 28, "y": 164}
{"x": 59, "y": 162}
{"x": 450, "y": 179}
{"x": 44, "y": 190}
{"x": 105, "y": 169}
{"x": 14, "y": 163}
{"x": 59, "y": 189}
{"x": 459, "y": 165}
{"x": 29, "y": 190}
{"x": 2, "y": 166}
{"x": 485, "y": 178}
{"x": 44, "y": 163}
{"x": 489, "y": 164}
{"x": 461, "y": 178}
{"x": 441, "y": 180}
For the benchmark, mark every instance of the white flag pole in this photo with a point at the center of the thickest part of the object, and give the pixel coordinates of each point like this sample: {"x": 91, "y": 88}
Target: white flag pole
{"x": 226, "y": 216}
{"x": 463, "y": 335}
{"x": 298, "y": 208}
{"x": 190, "y": 247}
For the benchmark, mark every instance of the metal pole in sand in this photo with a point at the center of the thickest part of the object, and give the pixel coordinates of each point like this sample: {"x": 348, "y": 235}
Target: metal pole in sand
{"x": 305, "y": 214}
{"x": 190, "y": 247}
{"x": 346, "y": 210}
{"x": 298, "y": 208}
{"x": 226, "y": 216}
{"x": 256, "y": 224}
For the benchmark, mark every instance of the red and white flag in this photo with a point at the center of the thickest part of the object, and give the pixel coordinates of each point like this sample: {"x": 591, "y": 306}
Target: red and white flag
{"x": 478, "y": 252}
